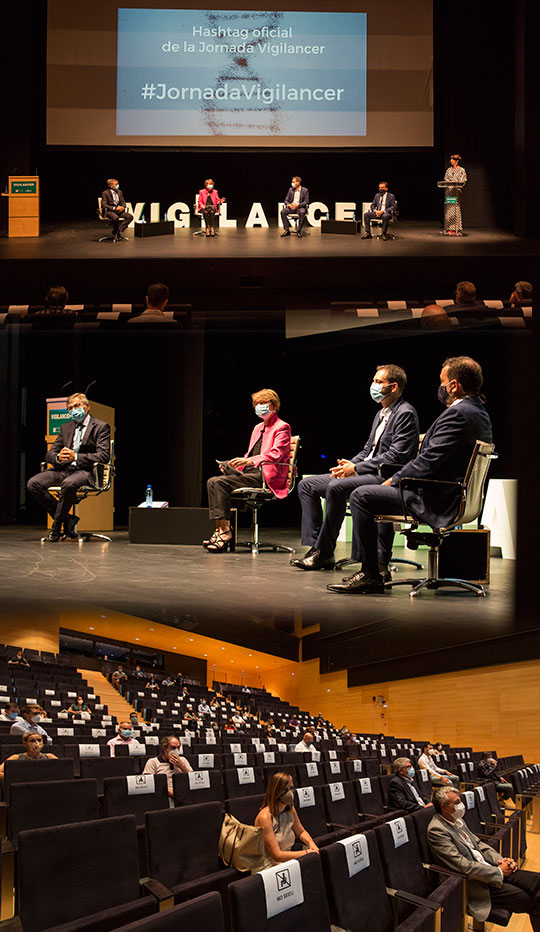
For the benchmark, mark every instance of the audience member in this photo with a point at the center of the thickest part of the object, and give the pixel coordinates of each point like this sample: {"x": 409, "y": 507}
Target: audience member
{"x": 152, "y": 683}
{"x": 466, "y": 302}
{"x": 214, "y": 704}
{"x": 168, "y": 761}
{"x": 306, "y": 744}
{"x": 134, "y": 720}
{"x": 10, "y": 713}
{"x": 434, "y": 317}
{"x": 31, "y": 717}
{"x": 189, "y": 714}
{"x": 33, "y": 750}
{"x": 124, "y": 737}
{"x": 521, "y": 295}
{"x": 156, "y": 300}
{"x": 437, "y": 775}
{"x": 230, "y": 727}
{"x": 55, "y": 304}
{"x": 402, "y": 792}
{"x": 203, "y": 708}
{"x": 106, "y": 666}
{"x": 488, "y": 769}
{"x": 118, "y": 675}
{"x": 138, "y": 673}
{"x": 492, "y": 881}
{"x": 280, "y": 824}
{"x": 19, "y": 660}
{"x": 78, "y": 708}
{"x": 169, "y": 680}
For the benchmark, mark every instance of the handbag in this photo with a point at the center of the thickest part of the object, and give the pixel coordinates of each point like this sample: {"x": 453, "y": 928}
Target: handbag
{"x": 240, "y": 846}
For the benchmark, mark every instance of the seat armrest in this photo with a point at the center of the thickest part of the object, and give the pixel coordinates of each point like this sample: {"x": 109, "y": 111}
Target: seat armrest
{"x": 338, "y": 825}
{"x": 434, "y": 868}
{"x": 414, "y": 900}
{"x": 158, "y": 890}
{"x": 11, "y": 925}
{"x": 7, "y": 847}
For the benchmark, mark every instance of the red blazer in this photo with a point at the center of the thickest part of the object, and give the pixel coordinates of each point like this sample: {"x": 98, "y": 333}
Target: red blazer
{"x": 275, "y": 450}
{"x": 213, "y": 195}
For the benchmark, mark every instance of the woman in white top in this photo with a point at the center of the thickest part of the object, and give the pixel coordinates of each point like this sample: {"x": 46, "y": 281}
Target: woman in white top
{"x": 453, "y": 223}
{"x": 280, "y": 824}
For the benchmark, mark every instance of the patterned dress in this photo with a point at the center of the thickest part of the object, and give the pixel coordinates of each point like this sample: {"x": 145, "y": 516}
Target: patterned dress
{"x": 452, "y": 212}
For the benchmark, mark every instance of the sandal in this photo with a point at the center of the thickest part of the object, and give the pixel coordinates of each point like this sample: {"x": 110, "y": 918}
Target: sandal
{"x": 212, "y": 539}
{"x": 221, "y": 545}
{"x": 212, "y": 231}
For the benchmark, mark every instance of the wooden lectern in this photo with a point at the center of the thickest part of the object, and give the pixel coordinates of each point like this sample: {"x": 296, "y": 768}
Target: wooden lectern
{"x": 97, "y": 511}
{"x": 23, "y": 210}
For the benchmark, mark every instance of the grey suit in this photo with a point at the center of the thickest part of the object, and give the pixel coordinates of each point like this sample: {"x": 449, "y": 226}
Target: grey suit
{"x": 486, "y": 885}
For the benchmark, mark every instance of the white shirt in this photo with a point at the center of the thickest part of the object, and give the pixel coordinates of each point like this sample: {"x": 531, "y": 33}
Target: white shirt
{"x": 302, "y": 746}
{"x": 427, "y": 763}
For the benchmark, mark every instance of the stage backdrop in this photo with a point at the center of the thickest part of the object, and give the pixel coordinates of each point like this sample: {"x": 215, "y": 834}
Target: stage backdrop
{"x": 302, "y": 76}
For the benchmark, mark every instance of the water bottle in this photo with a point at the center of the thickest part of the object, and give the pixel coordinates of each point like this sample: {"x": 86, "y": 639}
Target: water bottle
{"x": 327, "y": 215}
{"x": 149, "y": 496}
{"x": 142, "y": 219}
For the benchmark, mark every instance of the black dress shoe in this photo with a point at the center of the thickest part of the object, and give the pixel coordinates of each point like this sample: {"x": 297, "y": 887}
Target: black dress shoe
{"x": 360, "y": 583}
{"x": 55, "y": 532}
{"x": 366, "y": 236}
{"x": 299, "y": 233}
{"x": 316, "y": 560}
{"x": 385, "y": 572}
{"x": 70, "y": 527}
{"x": 285, "y": 233}
{"x": 384, "y": 237}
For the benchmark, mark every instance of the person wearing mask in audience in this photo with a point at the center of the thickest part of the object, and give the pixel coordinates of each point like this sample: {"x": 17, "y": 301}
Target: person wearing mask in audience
{"x": 168, "y": 761}
{"x": 114, "y": 208}
{"x": 156, "y": 301}
{"x": 214, "y": 704}
{"x": 493, "y": 882}
{"x": 208, "y": 204}
{"x": 152, "y": 683}
{"x": 169, "y": 680}
{"x": 392, "y": 441}
{"x": 402, "y": 792}
{"x": 134, "y": 720}
{"x": 488, "y": 769}
{"x": 106, "y": 666}
{"x": 10, "y": 713}
{"x": 33, "y": 750}
{"x": 238, "y": 718}
{"x": 230, "y": 727}
{"x": 280, "y": 824}
{"x": 124, "y": 737}
{"x": 30, "y": 718}
{"x": 19, "y": 660}
{"x": 267, "y": 459}
{"x": 437, "y": 775}
{"x": 521, "y": 295}
{"x": 77, "y": 708}
{"x": 203, "y": 707}
{"x": 185, "y": 692}
{"x": 294, "y": 721}
{"x": 189, "y": 714}
{"x": 444, "y": 456}
{"x": 296, "y": 202}
{"x": 118, "y": 675}
{"x": 138, "y": 673}
{"x": 306, "y": 744}
{"x": 382, "y": 208}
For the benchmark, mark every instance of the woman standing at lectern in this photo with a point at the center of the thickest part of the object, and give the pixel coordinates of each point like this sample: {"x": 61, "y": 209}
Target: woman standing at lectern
{"x": 453, "y": 224}
{"x": 208, "y": 205}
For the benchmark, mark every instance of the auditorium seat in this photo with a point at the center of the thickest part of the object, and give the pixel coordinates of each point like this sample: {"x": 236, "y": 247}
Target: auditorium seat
{"x": 249, "y": 905}
{"x": 369, "y": 799}
{"x": 97, "y": 768}
{"x": 135, "y": 795}
{"x": 309, "y": 805}
{"x": 81, "y": 877}
{"x": 238, "y": 759}
{"x": 499, "y": 837}
{"x": 203, "y": 914}
{"x": 310, "y": 774}
{"x": 517, "y": 818}
{"x": 243, "y": 781}
{"x": 54, "y": 802}
{"x": 361, "y": 901}
{"x": 244, "y": 808}
{"x": 20, "y": 771}
{"x": 198, "y": 787}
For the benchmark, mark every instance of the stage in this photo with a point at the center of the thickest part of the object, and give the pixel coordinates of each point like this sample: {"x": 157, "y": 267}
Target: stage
{"x": 257, "y": 269}
{"x": 253, "y": 601}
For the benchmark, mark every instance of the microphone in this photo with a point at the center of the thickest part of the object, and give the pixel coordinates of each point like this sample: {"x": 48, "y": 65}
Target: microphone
{"x": 67, "y": 384}
{"x": 13, "y": 170}
{"x": 89, "y": 386}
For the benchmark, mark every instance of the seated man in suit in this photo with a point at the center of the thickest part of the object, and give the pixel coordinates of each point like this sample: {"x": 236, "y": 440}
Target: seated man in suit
{"x": 296, "y": 202}
{"x": 444, "y": 455}
{"x": 466, "y": 304}
{"x": 82, "y": 441}
{"x": 402, "y": 792}
{"x": 113, "y": 207}
{"x": 492, "y": 881}
{"x": 393, "y": 440}
{"x": 382, "y": 208}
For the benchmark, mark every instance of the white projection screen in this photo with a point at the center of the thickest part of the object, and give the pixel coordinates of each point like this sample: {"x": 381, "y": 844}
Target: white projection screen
{"x": 308, "y": 75}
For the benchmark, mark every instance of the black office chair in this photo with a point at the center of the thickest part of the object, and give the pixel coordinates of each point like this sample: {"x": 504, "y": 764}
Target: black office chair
{"x": 393, "y": 222}
{"x": 103, "y": 476}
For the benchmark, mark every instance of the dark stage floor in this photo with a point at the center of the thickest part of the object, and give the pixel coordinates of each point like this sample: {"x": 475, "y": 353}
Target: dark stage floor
{"x": 245, "y": 599}
{"x": 258, "y": 268}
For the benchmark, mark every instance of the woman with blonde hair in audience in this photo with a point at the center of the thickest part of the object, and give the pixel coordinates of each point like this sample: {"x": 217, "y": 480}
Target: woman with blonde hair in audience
{"x": 33, "y": 750}
{"x": 280, "y": 823}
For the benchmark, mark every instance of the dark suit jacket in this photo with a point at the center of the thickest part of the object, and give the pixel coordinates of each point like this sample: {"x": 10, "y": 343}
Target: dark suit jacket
{"x": 399, "y": 442}
{"x": 390, "y": 201}
{"x": 95, "y": 446}
{"x": 303, "y": 199}
{"x": 400, "y": 795}
{"x": 444, "y": 455}
{"x": 107, "y": 200}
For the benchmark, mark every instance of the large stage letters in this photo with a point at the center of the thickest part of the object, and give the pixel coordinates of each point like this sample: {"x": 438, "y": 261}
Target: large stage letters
{"x": 258, "y": 214}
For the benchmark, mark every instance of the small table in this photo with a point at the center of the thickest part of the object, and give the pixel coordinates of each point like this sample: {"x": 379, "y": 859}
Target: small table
{"x": 160, "y": 228}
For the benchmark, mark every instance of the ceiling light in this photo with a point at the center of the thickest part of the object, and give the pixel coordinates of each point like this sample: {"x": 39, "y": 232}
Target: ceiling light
{"x": 90, "y": 629}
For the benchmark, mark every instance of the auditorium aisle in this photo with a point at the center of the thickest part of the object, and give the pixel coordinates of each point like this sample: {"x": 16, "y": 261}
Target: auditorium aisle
{"x": 117, "y": 705}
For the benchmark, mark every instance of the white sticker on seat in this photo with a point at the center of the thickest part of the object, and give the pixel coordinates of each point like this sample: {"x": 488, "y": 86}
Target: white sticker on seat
{"x": 356, "y": 852}
{"x": 136, "y": 750}
{"x": 235, "y": 748}
{"x": 312, "y": 769}
{"x": 140, "y": 783}
{"x": 151, "y": 739}
{"x": 337, "y": 791}
{"x": 206, "y": 760}
{"x": 335, "y": 766}
{"x": 210, "y": 739}
{"x": 99, "y": 732}
{"x": 399, "y": 832}
{"x": 306, "y": 796}
{"x": 316, "y": 755}
{"x": 199, "y": 780}
{"x": 357, "y": 766}
{"x": 65, "y": 731}
{"x": 332, "y": 755}
{"x": 481, "y": 793}
{"x": 88, "y": 750}
{"x": 365, "y": 785}
{"x": 240, "y": 760}
{"x": 469, "y": 799}
{"x": 282, "y": 887}
{"x": 246, "y": 775}
{"x": 269, "y": 757}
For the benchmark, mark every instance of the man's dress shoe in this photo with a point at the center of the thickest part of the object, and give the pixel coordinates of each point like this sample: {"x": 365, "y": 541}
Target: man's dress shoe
{"x": 361, "y": 583}
{"x": 70, "y": 527}
{"x": 314, "y": 560}
{"x": 55, "y": 532}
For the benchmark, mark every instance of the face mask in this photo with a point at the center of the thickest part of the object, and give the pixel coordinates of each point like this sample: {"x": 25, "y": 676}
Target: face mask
{"x": 376, "y": 392}
{"x": 36, "y": 719}
{"x": 126, "y": 732}
{"x": 13, "y": 715}
{"x": 117, "y": 187}
{"x": 293, "y": 184}
{"x": 459, "y": 811}
{"x": 210, "y": 187}
{"x": 78, "y": 415}
{"x": 262, "y": 410}
{"x": 410, "y": 772}
{"x": 288, "y": 798}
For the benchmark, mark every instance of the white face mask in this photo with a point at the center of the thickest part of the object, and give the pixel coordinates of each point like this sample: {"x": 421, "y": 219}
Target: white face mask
{"x": 459, "y": 811}
{"x": 36, "y": 719}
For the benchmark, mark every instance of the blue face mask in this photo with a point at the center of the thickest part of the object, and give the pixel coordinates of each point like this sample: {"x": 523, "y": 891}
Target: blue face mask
{"x": 376, "y": 392}
{"x": 13, "y": 715}
{"x": 126, "y": 732}
{"x": 262, "y": 410}
{"x": 442, "y": 394}
{"x": 117, "y": 187}
{"x": 78, "y": 415}
{"x": 410, "y": 772}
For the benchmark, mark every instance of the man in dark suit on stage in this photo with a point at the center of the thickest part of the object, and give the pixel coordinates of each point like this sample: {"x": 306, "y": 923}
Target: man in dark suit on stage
{"x": 402, "y": 792}
{"x": 114, "y": 208}
{"x": 81, "y": 442}
{"x": 444, "y": 455}
{"x": 393, "y": 440}
{"x": 296, "y": 202}
{"x": 382, "y": 208}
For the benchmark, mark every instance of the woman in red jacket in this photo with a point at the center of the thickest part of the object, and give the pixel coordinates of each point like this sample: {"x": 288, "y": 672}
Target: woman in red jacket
{"x": 208, "y": 204}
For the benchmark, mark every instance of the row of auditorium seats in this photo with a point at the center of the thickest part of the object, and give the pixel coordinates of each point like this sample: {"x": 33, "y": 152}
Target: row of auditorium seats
{"x": 408, "y": 314}
{"x": 88, "y": 316}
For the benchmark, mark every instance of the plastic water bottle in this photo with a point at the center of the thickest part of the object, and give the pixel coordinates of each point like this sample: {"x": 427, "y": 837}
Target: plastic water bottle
{"x": 142, "y": 219}
{"x": 149, "y": 496}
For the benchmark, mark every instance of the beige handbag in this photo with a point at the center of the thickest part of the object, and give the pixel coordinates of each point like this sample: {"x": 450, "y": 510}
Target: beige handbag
{"x": 240, "y": 846}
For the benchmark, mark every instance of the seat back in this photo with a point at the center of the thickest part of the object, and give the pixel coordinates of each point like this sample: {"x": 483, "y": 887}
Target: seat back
{"x": 473, "y": 486}
{"x": 243, "y": 781}
{"x": 249, "y": 907}
{"x": 368, "y": 796}
{"x": 421, "y": 819}
{"x": 244, "y": 808}
{"x": 340, "y": 804}
{"x": 309, "y": 805}
{"x": 36, "y": 771}
{"x": 204, "y": 913}
{"x": 52, "y": 862}
{"x": 200, "y": 786}
{"x": 55, "y": 802}
{"x": 310, "y": 774}
{"x": 292, "y": 470}
{"x": 182, "y": 843}
{"x": 400, "y": 856}
{"x": 135, "y": 795}
{"x": 97, "y": 768}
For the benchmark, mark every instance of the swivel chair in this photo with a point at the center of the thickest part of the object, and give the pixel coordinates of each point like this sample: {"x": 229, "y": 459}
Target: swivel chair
{"x": 103, "y": 476}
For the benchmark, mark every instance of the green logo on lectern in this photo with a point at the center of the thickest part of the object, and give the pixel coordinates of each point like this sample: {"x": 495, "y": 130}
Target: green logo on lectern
{"x": 450, "y": 200}
{"x": 23, "y": 187}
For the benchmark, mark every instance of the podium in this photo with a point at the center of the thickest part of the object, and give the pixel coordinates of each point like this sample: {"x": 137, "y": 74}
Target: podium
{"x": 97, "y": 511}
{"x": 23, "y": 206}
{"x": 450, "y": 198}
